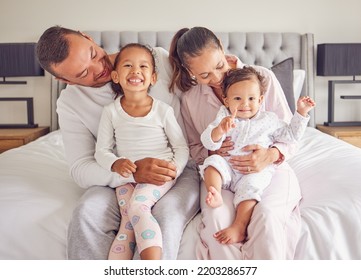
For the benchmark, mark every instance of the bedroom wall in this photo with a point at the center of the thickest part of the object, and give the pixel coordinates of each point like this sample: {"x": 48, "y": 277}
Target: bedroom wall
{"x": 330, "y": 21}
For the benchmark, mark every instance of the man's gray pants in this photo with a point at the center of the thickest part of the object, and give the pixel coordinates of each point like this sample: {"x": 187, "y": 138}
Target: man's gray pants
{"x": 95, "y": 220}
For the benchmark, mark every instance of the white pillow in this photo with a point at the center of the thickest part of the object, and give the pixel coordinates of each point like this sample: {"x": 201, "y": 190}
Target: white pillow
{"x": 298, "y": 80}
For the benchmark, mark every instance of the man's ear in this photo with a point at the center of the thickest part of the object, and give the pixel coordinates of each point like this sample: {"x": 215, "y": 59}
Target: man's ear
{"x": 114, "y": 76}
{"x": 222, "y": 48}
{"x": 86, "y": 36}
{"x": 64, "y": 81}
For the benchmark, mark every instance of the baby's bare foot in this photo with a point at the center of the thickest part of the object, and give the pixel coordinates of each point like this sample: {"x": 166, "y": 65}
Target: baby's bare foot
{"x": 214, "y": 198}
{"x": 233, "y": 234}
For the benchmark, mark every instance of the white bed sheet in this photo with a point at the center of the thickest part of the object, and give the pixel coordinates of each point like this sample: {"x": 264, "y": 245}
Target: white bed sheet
{"x": 37, "y": 197}
{"x": 329, "y": 172}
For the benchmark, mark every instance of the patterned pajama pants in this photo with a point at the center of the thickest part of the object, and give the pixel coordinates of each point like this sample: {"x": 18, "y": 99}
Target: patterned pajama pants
{"x": 138, "y": 226}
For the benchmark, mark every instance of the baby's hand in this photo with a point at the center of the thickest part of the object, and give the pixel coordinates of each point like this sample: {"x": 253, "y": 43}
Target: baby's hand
{"x": 228, "y": 123}
{"x": 304, "y": 105}
{"x": 124, "y": 167}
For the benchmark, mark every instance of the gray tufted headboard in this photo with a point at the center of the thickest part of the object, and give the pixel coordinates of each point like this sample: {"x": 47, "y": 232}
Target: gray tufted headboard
{"x": 265, "y": 49}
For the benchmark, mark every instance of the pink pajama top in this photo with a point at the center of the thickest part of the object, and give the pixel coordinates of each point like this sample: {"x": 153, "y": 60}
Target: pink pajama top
{"x": 199, "y": 107}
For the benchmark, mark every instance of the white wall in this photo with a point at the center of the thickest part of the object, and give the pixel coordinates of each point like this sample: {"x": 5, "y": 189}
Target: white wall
{"x": 330, "y": 21}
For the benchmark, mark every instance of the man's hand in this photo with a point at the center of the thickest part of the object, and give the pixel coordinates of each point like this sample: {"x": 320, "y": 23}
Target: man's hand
{"x": 257, "y": 160}
{"x": 154, "y": 171}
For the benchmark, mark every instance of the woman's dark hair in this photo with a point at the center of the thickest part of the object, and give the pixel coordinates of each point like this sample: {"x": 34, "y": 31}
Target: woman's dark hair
{"x": 53, "y": 47}
{"x": 243, "y": 74}
{"x": 116, "y": 86}
{"x": 185, "y": 44}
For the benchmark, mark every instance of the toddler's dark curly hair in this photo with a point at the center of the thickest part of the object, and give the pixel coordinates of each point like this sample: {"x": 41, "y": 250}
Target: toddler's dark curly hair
{"x": 243, "y": 74}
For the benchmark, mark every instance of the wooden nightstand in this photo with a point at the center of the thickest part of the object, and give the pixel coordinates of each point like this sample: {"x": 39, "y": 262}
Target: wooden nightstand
{"x": 16, "y": 137}
{"x": 350, "y": 134}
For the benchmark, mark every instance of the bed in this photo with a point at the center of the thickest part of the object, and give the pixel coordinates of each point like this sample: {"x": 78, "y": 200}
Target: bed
{"x": 37, "y": 194}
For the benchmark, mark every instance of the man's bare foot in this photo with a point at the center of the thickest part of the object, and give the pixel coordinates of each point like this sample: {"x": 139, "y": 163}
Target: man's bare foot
{"x": 233, "y": 234}
{"x": 214, "y": 198}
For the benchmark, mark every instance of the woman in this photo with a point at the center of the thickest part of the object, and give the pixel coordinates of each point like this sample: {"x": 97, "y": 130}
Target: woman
{"x": 199, "y": 65}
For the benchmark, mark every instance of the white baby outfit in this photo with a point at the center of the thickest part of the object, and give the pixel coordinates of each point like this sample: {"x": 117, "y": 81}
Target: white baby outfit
{"x": 264, "y": 129}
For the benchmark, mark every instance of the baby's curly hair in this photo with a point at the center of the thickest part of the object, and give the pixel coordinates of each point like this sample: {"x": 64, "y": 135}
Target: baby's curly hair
{"x": 243, "y": 74}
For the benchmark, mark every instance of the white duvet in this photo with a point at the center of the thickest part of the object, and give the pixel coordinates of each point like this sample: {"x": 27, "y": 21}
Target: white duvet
{"x": 37, "y": 197}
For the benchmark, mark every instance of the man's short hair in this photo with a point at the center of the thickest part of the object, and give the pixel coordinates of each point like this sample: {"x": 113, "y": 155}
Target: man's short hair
{"x": 53, "y": 47}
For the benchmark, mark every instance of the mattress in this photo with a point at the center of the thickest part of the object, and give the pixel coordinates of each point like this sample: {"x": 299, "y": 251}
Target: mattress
{"x": 37, "y": 196}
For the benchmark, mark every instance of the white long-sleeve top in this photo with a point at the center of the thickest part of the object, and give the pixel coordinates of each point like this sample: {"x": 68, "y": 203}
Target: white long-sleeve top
{"x": 79, "y": 109}
{"x": 264, "y": 129}
{"x": 156, "y": 135}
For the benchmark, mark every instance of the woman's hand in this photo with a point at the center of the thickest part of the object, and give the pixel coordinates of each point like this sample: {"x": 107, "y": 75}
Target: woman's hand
{"x": 258, "y": 159}
{"x": 227, "y": 145}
